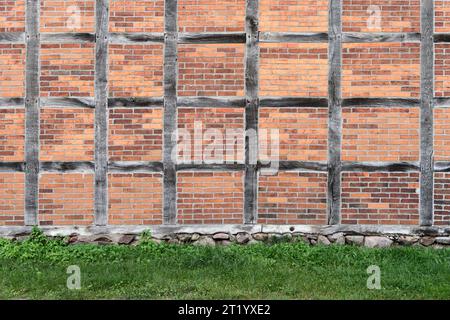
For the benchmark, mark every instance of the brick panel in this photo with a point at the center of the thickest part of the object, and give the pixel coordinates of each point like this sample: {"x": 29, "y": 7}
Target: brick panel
{"x": 12, "y": 15}
{"x": 303, "y": 133}
{"x": 217, "y": 133}
{"x": 442, "y": 70}
{"x": 293, "y": 69}
{"x": 210, "y": 197}
{"x": 135, "y": 198}
{"x": 66, "y": 199}
{"x": 67, "y": 16}
{"x": 380, "y": 134}
{"x": 381, "y": 15}
{"x": 380, "y": 198}
{"x": 66, "y": 134}
{"x": 136, "y": 16}
{"x": 441, "y": 16}
{"x": 293, "y": 15}
{"x": 442, "y": 198}
{"x": 12, "y": 134}
{"x": 381, "y": 70}
{"x": 135, "y": 70}
{"x": 211, "y": 15}
{"x": 12, "y": 70}
{"x": 67, "y": 70}
{"x": 135, "y": 134}
{"x": 441, "y": 134}
{"x": 12, "y": 200}
{"x": 211, "y": 70}
{"x": 292, "y": 198}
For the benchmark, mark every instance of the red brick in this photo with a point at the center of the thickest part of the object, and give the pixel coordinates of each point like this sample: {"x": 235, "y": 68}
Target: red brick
{"x": 442, "y": 198}
{"x": 67, "y": 16}
{"x": 12, "y": 15}
{"x": 12, "y": 200}
{"x": 12, "y": 70}
{"x": 136, "y": 16}
{"x": 12, "y": 134}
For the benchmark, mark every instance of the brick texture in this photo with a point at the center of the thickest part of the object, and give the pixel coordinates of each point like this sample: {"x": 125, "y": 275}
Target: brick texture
{"x": 292, "y": 198}
{"x": 12, "y": 70}
{"x": 381, "y": 15}
{"x": 12, "y": 200}
{"x": 303, "y": 133}
{"x": 215, "y": 135}
{"x": 12, "y": 15}
{"x": 66, "y": 134}
{"x": 442, "y": 198}
{"x": 135, "y": 70}
{"x": 211, "y": 70}
{"x": 135, "y": 134}
{"x": 441, "y": 16}
{"x": 136, "y": 16}
{"x": 441, "y": 134}
{"x": 67, "y": 70}
{"x": 442, "y": 70}
{"x": 293, "y": 69}
{"x": 381, "y": 70}
{"x": 135, "y": 198}
{"x": 211, "y": 15}
{"x": 293, "y": 15}
{"x": 380, "y": 198}
{"x": 12, "y": 134}
{"x": 67, "y": 16}
{"x": 210, "y": 197}
{"x": 380, "y": 134}
{"x": 66, "y": 199}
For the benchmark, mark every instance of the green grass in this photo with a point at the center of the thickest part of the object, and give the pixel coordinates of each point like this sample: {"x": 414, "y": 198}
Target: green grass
{"x": 36, "y": 269}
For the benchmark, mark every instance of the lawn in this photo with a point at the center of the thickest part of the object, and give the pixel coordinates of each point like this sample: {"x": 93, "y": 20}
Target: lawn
{"x": 36, "y": 269}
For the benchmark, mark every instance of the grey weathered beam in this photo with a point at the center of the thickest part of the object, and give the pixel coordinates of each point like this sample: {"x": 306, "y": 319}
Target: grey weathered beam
{"x": 135, "y": 102}
{"x": 380, "y": 37}
{"x": 442, "y": 102}
{"x": 211, "y": 102}
{"x": 101, "y": 104}
{"x": 32, "y": 112}
{"x": 135, "y": 166}
{"x": 11, "y": 102}
{"x": 277, "y": 37}
{"x": 12, "y": 37}
{"x": 119, "y": 38}
{"x": 426, "y": 113}
{"x": 68, "y": 102}
{"x": 296, "y": 166}
{"x": 334, "y": 111}
{"x": 280, "y": 102}
{"x": 210, "y": 167}
{"x": 219, "y": 37}
{"x": 66, "y": 167}
{"x": 441, "y": 166}
{"x": 67, "y": 37}
{"x": 12, "y": 166}
{"x": 251, "y": 110}
{"x": 380, "y": 166}
{"x": 441, "y": 37}
{"x": 381, "y": 102}
{"x": 170, "y": 110}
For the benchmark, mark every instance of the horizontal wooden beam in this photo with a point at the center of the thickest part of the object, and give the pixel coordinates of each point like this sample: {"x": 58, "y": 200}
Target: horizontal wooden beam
{"x": 380, "y": 37}
{"x": 441, "y": 166}
{"x": 64, "y": 167}
{"x": 442, "y": 102}
{"x": 294, "y": 166}
{"x": 220, "y": 37}
{"x": 134, "y": 166}
{"x": 12, "y": 102}
{"x": 277, "y": 37}
{"x": 381, "y": 102}
{"x": 68, "y": 102}
{"x": 119, "y": 38}
{"x": 135, "y": 102}
{"x": 279, "y": 102}
{"x": 211, "y": 102}
{"x": 67, "y": 37}
{"x": 441, "y": 37}
{"x": 12, "y": 166}
{"x": 12, "y": 37}
{"x": 380, "y": 166}
{"x": 210, "y": 167}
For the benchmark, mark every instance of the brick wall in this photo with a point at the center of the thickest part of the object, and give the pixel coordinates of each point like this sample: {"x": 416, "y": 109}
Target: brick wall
{"x": 12, "y": 200}
{"x": 441, "y": 16}
{"x": 211, "y": 70}
{"x": 380, "y": 198}
{"x": 136, "y": 16}
{"x": 211, "y": 15}
{"x": 441, "y": 134}
{"x": 135, "y": 199}
{"x": 135, "y": 70}
{"x": 66, "y": 199}
{"x": 381, "y": 70}
{"x": 67, "y": 16}
{"x": 135, "y": 134}
{"x": 12, "y": 16}
{"x": 67, "y": 70}
{"x": 12, "y": 70}
{"x": 380, "y": 134}
{"x": 442, "y": 70}
{"x": 292, "y": 198}
{"x": 442, "y": 198}
{"x": 12, "y": 134}
{"x": 210, "y": 197}
{"x": 278, "y": 60}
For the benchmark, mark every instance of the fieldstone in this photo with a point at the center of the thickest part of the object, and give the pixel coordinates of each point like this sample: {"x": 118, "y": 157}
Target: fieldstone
{"x": 407, "y": 240}
{"x": 260, "y": 236}
{"x": 242, "y": 238}
{"x": 340, "y": 240}
{"x": 443, "y": 240}
{"x": 173, "y": 241}
{"x": 323, "y": 240}
{"x": 126, "y": 239}
{"x": 377, "y": 242}
{"x": 252, "y": 242}
{"x": 426, "y": 241}
{"x": 356, "y": 240}
{"x": 338, "y": 235}
{"x": 221, "y": 236}
{"x": 184, "y": 237}
{"x": 205, "y": 241}
{"x": 195, "y": 237}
